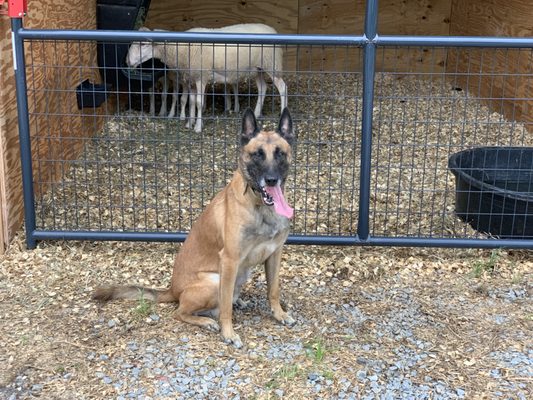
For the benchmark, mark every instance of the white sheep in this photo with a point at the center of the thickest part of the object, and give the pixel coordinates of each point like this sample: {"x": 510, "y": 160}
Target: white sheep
{"x": 199, "y": 64}
{"x": 172, "y": 76}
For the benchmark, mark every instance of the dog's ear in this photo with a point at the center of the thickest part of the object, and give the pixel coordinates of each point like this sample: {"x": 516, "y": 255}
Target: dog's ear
{"x": 249, "y": 127}
{"x": 285, "y": 126}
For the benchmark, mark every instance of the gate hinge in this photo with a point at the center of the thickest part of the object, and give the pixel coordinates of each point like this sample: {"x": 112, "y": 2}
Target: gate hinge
{"x": 15, "y": 8}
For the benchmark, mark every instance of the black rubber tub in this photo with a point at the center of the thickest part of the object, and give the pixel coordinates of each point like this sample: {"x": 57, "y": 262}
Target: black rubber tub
{"x": 494, "y": 190}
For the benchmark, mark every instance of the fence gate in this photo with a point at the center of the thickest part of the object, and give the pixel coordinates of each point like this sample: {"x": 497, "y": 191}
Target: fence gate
{"x": 386, "y": 153}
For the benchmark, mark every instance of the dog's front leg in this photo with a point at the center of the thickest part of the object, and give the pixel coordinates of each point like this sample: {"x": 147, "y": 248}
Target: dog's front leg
{"x": 272, "y": 266}
{"x": 228, "y": 275}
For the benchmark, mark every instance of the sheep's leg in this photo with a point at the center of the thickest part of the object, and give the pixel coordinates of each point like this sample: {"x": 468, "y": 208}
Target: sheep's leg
{"x": 261, "y": 92}
{"x": 186, "y": 87}
{"x": 192, "y": 107}
{"x": 164, "y": 93}
{"x": 152, "y": 103}
{"x": 152, "y": 100}
{"x": 282, "y": 89}
{"x": 236, "y": 97}
{"x": 174, "y": 77}
{"x": 173, "y": 106}
{"x": 183, "y": 100}
{"x": 200, "y": 95}
{"x": 227, "y": 97}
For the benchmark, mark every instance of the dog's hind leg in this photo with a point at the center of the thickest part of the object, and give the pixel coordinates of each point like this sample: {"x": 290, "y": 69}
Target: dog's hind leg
{"x": 197, "y": 298}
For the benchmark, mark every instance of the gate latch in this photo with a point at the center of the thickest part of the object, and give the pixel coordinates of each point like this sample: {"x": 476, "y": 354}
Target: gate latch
{"x": 15, "y": 8}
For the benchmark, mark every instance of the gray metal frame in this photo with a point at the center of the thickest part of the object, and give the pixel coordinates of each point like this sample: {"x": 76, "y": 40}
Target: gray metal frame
{"x": 369, "y": 41}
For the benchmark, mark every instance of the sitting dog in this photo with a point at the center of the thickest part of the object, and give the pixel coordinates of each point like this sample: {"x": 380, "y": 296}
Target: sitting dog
{"x": 245, "y": 224}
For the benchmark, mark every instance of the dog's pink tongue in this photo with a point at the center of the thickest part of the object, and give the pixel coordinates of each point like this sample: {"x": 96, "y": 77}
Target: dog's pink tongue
{"x": 280, "y": 204}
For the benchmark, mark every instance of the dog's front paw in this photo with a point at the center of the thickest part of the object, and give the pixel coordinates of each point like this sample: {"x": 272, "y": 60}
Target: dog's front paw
{"x": 234, "y": 340}
{"x": 285, "y": 319}
{"x": 288, "y": 321}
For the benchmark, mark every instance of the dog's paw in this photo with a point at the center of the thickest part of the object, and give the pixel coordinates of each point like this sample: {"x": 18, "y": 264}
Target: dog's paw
{"x": 233, "y": 339}
{"x": 288, "y": 321}
{"x": 213, "y": 326}
{"x": 285, "y": 319}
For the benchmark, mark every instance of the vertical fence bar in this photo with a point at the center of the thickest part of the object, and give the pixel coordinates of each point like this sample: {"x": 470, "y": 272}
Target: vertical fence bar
{"x": 24, "y": 131}
{"x": 369, "y": 69}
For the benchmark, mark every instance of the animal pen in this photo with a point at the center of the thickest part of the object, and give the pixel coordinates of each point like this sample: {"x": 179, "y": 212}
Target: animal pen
{"x": 378, "y": 118}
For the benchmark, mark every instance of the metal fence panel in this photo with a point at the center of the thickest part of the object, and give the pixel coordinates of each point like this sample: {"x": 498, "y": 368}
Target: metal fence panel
{"x": 372, "y": 150}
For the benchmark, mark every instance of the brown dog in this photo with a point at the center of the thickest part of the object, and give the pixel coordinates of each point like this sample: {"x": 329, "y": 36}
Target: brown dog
{"x": 245, "y": 224}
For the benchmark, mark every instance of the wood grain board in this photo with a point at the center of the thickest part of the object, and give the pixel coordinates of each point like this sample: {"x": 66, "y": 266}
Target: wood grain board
{"x": 51, "y": 92}
{"x": 406, "y": 17}
{"x": 510, "y": 95}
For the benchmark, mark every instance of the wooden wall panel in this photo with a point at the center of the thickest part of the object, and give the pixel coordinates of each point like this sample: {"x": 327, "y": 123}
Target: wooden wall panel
{"x": 396, "y": 17}
{"x": 169, "y": 14}
{"x": 6, "y": 110}
{"x": 402, "y": 17}
{"x": 496, "y": 18}
{"x": 49, "y": 14}
{"x": 10, "y": 189}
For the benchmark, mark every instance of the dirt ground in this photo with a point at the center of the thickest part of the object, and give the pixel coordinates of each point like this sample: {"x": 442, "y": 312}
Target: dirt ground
{"x": 371, "y": 323}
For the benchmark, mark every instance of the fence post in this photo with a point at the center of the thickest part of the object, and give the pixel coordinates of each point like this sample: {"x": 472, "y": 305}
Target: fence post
{"x": 24, "y": 131}
{"x": 369, "y": 69}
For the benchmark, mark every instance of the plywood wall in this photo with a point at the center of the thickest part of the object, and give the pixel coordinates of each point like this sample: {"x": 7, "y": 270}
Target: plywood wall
{"x": 52, "y": 15}
{"x": 492, "y": 67}
{"x": 402, "y": 17}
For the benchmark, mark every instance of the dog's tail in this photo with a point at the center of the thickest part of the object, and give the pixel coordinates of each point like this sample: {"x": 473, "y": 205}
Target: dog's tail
{"x": 133, "y": 293}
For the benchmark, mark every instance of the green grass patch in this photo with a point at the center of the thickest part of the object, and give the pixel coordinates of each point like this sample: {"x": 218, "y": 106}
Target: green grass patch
{"x": 489, "y": 265}
{"x": 144, "y": 307}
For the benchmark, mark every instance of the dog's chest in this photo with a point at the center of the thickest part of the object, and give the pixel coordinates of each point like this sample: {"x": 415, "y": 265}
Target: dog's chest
{"x": 264, "y": 237}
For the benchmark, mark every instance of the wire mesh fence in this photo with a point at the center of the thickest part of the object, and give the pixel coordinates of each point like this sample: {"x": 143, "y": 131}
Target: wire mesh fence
{"x": 121, "y": 168}
{"x": 468, "y": 98}
{"x": 126, "y": 167}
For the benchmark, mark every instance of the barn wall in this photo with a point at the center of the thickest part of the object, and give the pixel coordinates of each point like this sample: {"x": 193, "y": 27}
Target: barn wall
{"x": 407, "y": 17}
{"x": 50, "y": 14}
{"x": 496, "y": 18}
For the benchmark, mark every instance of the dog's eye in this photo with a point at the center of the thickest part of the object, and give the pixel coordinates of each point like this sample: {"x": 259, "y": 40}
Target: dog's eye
{"x": 278, "y": 153}
{"x": 258, "y": 155}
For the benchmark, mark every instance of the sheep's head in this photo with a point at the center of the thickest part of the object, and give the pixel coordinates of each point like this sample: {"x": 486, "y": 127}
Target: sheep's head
{"x": 138, "y": 53}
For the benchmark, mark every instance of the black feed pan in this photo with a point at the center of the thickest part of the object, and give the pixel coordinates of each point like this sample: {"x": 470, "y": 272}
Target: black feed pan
{"x": 494, "y": 190}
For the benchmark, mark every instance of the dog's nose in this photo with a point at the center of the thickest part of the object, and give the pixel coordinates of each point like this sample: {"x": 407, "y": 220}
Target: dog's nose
{"x": 271, "y": 181}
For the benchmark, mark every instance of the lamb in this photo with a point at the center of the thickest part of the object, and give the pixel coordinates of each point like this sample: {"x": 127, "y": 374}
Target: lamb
{"x": 169, "y": 77}
{"x": 199, "y": 64}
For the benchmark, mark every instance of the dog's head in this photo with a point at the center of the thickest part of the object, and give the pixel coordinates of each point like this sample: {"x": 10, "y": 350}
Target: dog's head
{"x": 265, "y": 159}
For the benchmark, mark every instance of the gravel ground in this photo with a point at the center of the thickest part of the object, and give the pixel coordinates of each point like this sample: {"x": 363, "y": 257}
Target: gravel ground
{"x": 371, "y": 323}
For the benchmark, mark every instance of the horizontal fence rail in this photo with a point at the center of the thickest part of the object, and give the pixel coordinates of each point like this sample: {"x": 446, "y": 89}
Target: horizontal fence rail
{"x": 281, "y": 39}
{"x": 374, "y": 136}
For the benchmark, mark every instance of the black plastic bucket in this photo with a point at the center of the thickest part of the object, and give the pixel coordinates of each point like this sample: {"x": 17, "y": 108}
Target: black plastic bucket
{"x": 494, "y": 190}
